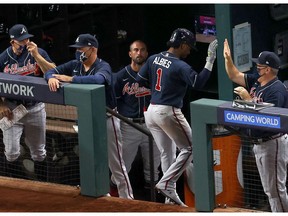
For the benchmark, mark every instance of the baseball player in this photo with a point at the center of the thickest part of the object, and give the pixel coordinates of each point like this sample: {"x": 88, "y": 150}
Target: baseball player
{"x": 132, "y": 101}
{"x": 89, "y": 69}
{"x": 270, "y": 148}
{"x": 24, "y": 58}
{"x": 169, "y": 77}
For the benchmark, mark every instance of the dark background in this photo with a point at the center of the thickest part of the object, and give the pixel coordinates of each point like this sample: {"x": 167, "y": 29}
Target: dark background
{"x": 55, "y": 26}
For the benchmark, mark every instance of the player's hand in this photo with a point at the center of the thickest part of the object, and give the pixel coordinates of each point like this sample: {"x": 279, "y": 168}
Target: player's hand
{"x": 243, "y": 93}
{"x": 53, "y": 84}
{"x": 63, "y": 78}
{"x": 226, "y": 51}
{"x": 32, "y": 48}
{"x": 5, "y": 111}
{"x": 212, "y": 51}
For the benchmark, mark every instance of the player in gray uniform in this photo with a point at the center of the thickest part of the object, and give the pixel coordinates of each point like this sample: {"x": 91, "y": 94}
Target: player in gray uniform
{"x": 132, "y": 101}
{"x": 168, "y": 78}
{"x": 24, "y": 58}
{"x": 89, "y": 69}
{"x": 270, "y": 148}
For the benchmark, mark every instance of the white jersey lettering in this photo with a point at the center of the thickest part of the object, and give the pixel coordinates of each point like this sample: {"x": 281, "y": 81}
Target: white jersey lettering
{"x": 162, "y": 61}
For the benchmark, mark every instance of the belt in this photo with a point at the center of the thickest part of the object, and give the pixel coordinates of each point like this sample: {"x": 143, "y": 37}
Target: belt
{"x": 265, "y": 139}
{"x": 137, "y": 120}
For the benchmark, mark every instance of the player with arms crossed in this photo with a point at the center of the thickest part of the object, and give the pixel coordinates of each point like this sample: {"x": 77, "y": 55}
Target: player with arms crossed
{"x": 87, "y": 68}
{"x": 169, "y": 77}
{"x": 270, "y": 148}
{"x": 24, "y": 58}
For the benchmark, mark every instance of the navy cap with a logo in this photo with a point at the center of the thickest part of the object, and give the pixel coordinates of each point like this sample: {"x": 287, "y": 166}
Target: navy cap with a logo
{"x": 268, "y": 58}
{"x": 84, "y": 40}
{"x": 19, "y": 32}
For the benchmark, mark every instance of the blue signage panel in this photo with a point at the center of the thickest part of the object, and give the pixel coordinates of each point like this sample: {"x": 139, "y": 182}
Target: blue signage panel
{"x": 268, "y": 119}
{"x": 254, "y": 119}
{"x": 29, "y": 88}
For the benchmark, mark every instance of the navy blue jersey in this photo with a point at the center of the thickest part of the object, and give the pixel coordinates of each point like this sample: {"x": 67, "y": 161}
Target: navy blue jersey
{"x": 23, "y": 64}
{"x": 273, "y": 92}
{"x": 132, "y": 100}
{"x": 168, "y": 78}
{"x": 99, "y": 68}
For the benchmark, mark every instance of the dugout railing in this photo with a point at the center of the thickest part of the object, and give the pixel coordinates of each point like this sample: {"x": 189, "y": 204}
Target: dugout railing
{"x": 93, "y": 157}
{"x": 219, "y": 112}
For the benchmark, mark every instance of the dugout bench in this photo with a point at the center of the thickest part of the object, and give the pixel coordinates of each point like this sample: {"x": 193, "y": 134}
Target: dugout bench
{"x": 62, "y": 144}
{"x": 60, "y": 118}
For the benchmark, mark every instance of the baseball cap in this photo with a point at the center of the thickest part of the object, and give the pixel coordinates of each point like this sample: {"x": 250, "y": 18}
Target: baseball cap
{"x": 268, "y": 58}
{"x": 19, "y": 32}
{"x": 181, "y": 35}
{"x": 84, "y": 40}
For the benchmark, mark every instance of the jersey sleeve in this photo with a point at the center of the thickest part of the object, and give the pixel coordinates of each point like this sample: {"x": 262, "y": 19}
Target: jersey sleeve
{"x": 143, "y": 75}
{"x": 192, "y": 78}
{"x": 90, "y": 79}
{"x": 65, "y": 69}
{"x": 103, "y": 75}
{"x": 202, "y": 78}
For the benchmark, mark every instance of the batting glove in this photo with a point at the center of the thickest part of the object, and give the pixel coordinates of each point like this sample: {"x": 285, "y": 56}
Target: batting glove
{"x": 211, "y": 54}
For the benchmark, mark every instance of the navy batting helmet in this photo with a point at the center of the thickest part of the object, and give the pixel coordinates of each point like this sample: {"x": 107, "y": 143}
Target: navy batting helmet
{"x": 182, "y": 35}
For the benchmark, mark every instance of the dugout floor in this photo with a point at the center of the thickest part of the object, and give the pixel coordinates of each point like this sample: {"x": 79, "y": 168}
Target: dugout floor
{"x": 48, "y": 200}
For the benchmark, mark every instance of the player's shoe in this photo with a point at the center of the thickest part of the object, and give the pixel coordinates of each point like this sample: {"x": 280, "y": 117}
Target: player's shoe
{"x": 172, "y": 194}
{"x": 168, "y": 201}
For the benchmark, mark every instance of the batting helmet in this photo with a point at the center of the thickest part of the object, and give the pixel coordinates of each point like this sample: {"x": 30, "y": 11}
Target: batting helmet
{"x": 182, "y": 35}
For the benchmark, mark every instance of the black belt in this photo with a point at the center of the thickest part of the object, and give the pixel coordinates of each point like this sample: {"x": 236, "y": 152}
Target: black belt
{"x": 265, "y": 139}
{"x": 137, "y": 120}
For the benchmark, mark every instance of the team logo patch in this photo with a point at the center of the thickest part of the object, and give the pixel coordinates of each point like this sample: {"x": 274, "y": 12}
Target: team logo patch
{"x": 23, "y": 30}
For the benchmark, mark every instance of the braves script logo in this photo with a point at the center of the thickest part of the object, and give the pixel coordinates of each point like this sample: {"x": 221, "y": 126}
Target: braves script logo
{"x": 135, "y": 89}
{"x": 256, "y": 98}
{"x": 24, "y": 70}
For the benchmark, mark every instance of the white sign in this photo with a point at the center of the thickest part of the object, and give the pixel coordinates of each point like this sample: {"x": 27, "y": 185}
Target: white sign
{"x": 242, "y": 46}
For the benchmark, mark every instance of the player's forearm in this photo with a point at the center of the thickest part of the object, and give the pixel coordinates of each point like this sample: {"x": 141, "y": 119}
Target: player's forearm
{"x": 231, "y": 70}
{"x": 44, "y": 64}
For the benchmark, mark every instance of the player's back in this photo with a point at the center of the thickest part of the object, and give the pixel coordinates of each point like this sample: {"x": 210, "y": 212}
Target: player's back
{"x": 168, "y": 77}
